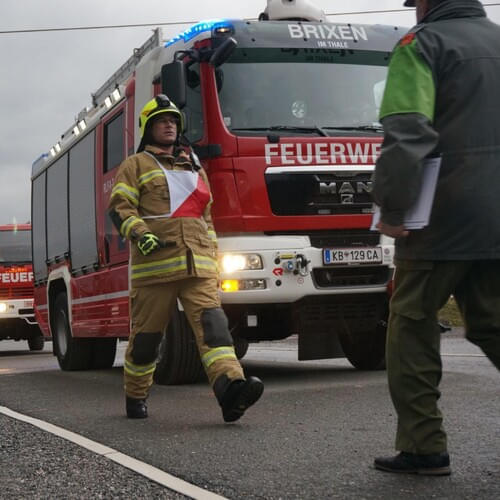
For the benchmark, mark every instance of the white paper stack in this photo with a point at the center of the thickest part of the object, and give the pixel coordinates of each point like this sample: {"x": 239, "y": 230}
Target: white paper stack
{"x": 417, "y": 217}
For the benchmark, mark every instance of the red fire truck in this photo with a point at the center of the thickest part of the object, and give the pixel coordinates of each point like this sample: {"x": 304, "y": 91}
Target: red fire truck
{"x": 283, "y": 115}
{"x": 17, "y": 320}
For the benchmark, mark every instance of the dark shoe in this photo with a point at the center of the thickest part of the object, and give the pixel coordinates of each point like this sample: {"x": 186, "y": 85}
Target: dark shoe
{"x": 136, "y": 408}
{"x": 239, "y": 396}
{"x": 437, "y": 464}
{"x": 444, "y": 327}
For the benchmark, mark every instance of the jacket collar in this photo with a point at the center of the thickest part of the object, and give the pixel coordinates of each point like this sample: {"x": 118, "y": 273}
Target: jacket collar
{"x": 154, "y": 150}
{"x": 455, "y": 9}
{"x": 178, "y": 155}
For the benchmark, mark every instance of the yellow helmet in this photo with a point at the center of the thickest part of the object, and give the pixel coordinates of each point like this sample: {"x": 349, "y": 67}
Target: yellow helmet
{"x": 160, "y": 104}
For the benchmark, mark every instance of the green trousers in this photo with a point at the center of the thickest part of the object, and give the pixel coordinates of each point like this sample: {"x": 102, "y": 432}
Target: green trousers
{"x": 421, "y": 289}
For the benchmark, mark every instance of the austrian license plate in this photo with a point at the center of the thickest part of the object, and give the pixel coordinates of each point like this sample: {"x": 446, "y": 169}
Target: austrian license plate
{"x": 336, "y": 256}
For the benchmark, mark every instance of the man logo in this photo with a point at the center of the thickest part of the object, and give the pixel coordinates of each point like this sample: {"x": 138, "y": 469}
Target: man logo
{"x": 346, "y": 190}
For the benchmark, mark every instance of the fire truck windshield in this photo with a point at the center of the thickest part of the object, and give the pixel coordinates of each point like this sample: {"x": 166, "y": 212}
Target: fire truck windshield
{"x": 15, "y": 246}
{"x": 302, "y": 93}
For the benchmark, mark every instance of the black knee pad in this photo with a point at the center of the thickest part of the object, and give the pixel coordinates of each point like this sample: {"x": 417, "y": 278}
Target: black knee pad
{"x": 215, "y": 328}
{"x": 145, "y": 348}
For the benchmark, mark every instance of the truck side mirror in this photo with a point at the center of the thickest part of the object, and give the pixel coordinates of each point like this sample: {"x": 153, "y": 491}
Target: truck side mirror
{"x": 173, "y": 82}
{"x": 223, "y": 52}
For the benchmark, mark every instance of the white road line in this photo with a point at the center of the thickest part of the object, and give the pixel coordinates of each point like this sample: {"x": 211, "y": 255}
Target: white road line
{"x": 458, "y": 355}
{"x": 131, "y": 463}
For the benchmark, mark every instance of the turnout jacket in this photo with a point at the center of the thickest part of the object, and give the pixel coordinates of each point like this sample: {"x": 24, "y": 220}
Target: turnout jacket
{"x": 169, "y": 196}
{"x": 443, "y": 95}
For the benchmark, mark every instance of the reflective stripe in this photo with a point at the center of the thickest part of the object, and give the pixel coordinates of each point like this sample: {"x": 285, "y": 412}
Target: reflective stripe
{"x": 129, "y": 192}
{"x": 164, "y": 216}
{"x": 138, "y": 370}
{"x": 210, "y": 357}
{"x": 127, "y": 226}
{"x": 144, "y": 178}
{"x": 212, "y": 235}
{"x": 159, "y": 267}
{"x": 202, "y": 262}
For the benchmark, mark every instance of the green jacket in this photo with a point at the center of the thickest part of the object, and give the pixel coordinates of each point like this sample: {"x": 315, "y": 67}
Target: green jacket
{"x": 442, "y": 95}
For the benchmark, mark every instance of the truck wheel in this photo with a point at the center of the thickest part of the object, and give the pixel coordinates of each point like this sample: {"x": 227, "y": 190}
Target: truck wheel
{"x": 72, "y": 354}
{"x": 179, "y": 360}
{"x": 36, "y": 342}
{"x": 365, "y": 350}
{"x": 240, "y": 347}
{"x": 103, "y": 353}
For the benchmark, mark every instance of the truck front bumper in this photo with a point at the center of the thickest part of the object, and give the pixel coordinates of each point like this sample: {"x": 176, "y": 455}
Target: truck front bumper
{"x": 17, "y": 309}
{"x": 291, "y": 269}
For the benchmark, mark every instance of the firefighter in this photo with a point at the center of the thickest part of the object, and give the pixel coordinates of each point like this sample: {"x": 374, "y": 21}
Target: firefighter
{"x": 161, "y": 202}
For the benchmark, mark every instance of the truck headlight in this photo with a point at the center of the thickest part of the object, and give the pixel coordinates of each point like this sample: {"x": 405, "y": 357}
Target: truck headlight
{"x": 232, "y": 262}
{"x": 3, "y": 307}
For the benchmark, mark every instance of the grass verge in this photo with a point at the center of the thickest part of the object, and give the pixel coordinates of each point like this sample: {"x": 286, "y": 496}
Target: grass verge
{"x": 450, "y": 315}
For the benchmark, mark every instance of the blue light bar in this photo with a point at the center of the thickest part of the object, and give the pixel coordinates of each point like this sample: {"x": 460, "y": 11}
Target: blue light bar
{"x": 36, "y": 165}
{"x": 196, "y": 29}
{"x": 41, "y": 157}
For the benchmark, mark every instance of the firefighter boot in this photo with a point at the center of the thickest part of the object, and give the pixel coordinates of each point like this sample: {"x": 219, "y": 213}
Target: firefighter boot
{"x": 236, "y": 396}
{"x": 136, "y": 408}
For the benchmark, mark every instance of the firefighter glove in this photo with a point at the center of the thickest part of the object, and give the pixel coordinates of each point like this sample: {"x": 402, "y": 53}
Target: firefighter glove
{"x": 148, "y": 243}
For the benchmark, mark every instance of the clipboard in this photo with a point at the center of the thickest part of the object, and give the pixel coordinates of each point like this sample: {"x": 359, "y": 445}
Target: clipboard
{"x": 418, "y": 215}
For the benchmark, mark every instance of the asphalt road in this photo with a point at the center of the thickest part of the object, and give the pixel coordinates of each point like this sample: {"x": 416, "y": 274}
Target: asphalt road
{"x": 313, "y": 435}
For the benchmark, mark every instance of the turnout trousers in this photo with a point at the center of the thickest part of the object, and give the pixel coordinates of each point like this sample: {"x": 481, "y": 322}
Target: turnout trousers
{"x": 151, "y": 308}
{"x": 421, "y": 289}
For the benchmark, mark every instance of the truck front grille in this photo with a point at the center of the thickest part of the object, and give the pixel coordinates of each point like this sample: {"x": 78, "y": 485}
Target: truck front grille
{"x": 28, "y": 311}
{"x": 360, "y": 311}
{"x": 22, "y": 292}
{"x": 352, "y": 276}
{"x": 338, "y": 193}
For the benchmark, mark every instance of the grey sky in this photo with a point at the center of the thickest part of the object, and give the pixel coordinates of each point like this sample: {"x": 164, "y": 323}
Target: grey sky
{"x": 47, "y": 78}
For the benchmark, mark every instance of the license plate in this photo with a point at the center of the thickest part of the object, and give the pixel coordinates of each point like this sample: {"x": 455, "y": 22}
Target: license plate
{"x": 336, "y": 256}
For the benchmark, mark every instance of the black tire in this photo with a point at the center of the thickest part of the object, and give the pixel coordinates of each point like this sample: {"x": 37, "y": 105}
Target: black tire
{"x": 72, "y": 354}
{"x": 240, "y": 347}
{"x": 365, "y": 350}
{"x": 36, "y": 341}
{"x": 103, "y": 353}
{"x": 178, "y": 360}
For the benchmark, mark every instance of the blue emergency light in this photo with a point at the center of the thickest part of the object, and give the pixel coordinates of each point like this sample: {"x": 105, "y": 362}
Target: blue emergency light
{"x": 198, "y": 28}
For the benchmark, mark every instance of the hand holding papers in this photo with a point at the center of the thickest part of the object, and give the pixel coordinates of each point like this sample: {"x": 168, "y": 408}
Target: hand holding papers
{"x": 417, "y": 216}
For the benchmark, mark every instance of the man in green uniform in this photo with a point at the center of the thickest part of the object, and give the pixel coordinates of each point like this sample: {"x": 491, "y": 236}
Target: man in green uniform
{"x": 441, "y": 97}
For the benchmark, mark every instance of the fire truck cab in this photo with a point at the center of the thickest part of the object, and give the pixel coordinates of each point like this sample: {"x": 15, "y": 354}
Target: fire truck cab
{"x": 17, "y": 319}
{"x": 283, "y": 115}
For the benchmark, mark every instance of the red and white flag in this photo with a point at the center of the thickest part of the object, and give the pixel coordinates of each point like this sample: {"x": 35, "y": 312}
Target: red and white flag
{"x": 189, "y": 195}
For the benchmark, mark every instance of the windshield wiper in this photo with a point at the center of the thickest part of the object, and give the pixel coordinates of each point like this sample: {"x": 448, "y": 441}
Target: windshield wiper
{"x": 375, "y": 128}
{"x": 285, "y": 128}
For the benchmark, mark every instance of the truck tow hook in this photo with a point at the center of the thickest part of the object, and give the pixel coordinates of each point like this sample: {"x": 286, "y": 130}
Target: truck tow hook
{"x": 293, "y": 263}
{"x": 302, "y": 266}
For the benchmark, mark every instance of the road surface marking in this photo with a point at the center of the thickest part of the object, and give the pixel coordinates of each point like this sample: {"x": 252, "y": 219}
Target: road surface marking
{"x": 146, "y": 470}
{"x": 458, "y": 355}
